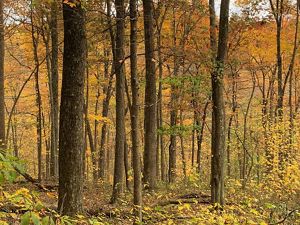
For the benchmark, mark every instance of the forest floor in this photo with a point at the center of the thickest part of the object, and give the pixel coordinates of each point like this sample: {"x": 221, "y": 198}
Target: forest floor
{"x": 181, "y": 203}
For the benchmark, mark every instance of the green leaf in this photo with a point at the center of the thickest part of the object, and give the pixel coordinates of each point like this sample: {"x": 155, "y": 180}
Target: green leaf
{"x": 25, "y": 219}
{"x": 47, "y": 221}
{"x": 270, "y": 206}
{"x": 35, "y": 219}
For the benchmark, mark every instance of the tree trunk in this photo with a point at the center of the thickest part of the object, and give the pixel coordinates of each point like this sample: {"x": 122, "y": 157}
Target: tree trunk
{"x": 160, "y": 140}
{"x": 233, "y": 114}
{"x": 108, "y": 92}
{"x": 200, "y": 136}
{"x": 218, "y": 110}
{"x": 135, "y": 137}
{"x": 54, "y": 86}
{"x": 71, "y": 129}
{"x": 2, "y": 104}
{"x": 173, "y": 110}
{"x": 45, "y": 36}
{"x": 183, "y": 158}
{"x": 93, "y": 149}
{"x": 120, "y": 102}
{"x": 34, "y": 36}
{"x": 150, "y": 99}
{"x": 126, "y": 165}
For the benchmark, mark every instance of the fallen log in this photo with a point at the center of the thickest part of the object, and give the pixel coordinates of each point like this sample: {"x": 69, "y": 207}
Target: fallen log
{"x": 194, "y": 195}
{"x": 182, "y": 201}
{"x": 31, "y": 180}
{"x": 192, "y": 198}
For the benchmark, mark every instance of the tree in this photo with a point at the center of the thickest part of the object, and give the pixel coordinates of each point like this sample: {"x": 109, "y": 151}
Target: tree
{"x": 107, "y": 91}
{"x": 35, "y": 42}
{"x": 150, "y": 98}
{"x": 135, "y": 111}
{"x": 2, "y": 104}
{"x": 173, "y": 101}
{"x": 218, "y": 110}
{"x": 71, "y": 146}
{"x": 120, "y": 102}
{"x": 160, "y": 140}
{"x": 54, "y": 89}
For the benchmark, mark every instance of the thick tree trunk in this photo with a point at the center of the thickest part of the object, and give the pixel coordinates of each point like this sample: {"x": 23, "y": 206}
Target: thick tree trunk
{"x": 135, "y": 137}
{"x": 120, "y": 102}
{"x": 150, "y": 99}
{"x": 71, "y": 131}
{"x": 218, "y": 110}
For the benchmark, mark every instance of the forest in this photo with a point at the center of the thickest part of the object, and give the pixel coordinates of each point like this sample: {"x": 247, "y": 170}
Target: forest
{"x": 149, "y": 112}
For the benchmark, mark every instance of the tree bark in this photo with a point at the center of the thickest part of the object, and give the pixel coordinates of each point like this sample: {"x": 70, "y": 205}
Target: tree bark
{"x": 160, "y": 139}
{"x": 2, "y": 103}
{"x": 173, "y": 105}
{"x": 54, "y": 86}
{"x": 135, "y": 136}
{"x": 71, "y": 128}
{"x": 150, "y": 99}
{"x": 120, "y": 102}
{"x": 218, "y": 110}
{"x": 34, "y": 36}
{"x": 200, "y": 135}
{"x": 231, "y": 119}
{"x": 108, "y": 92}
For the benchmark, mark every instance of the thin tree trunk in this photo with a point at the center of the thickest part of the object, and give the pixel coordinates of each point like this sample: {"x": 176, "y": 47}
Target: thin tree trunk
{"x": 160, "y": 112}
{"x": 126, "y": 165}
{"x": 86, "y": 114}
{"x": 173, "y": 107}
{"x": 2, "y": 103}
{"x": 54, "y": 86}
{"x": 108, "y": 92}
{"x": 93, "y": 150}
{"x": 245, "y": 133}
{"x": 45, "y": 35}
{"x": 200, "y": 136}
{"x": 193, "y": 144}
{"x": 15, "y": 135}
{"x": 290, "y": 102}
{"x": 183, "y": 158}
{"x": 233, "y": 112}
{"x": 47, "y": 148}
{"x": 34, "y": 36}
{"x": 160, "y": 139}
{"x": 96, "y": 125}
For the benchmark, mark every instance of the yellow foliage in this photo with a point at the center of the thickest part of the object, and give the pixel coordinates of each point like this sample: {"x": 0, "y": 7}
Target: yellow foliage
{"x": 100, "y": 119}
